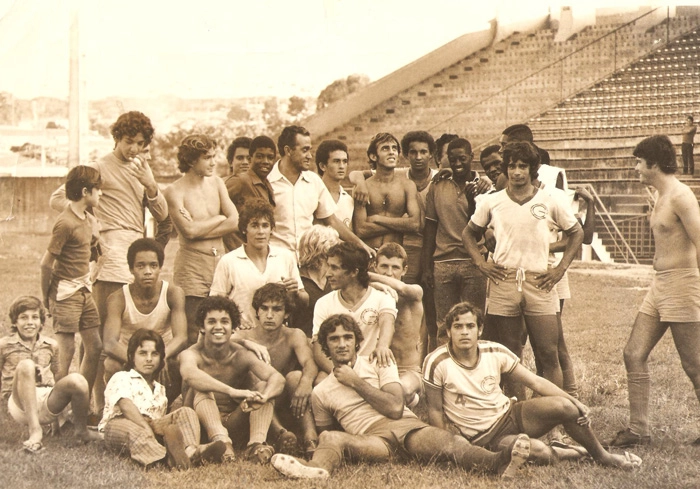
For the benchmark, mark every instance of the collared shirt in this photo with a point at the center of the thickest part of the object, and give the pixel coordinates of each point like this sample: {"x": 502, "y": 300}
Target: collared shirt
{"x": 131, "y": 385}
{"x": 296, "y": 206}
{"x": 248, "y": 186}
{"x": 449, "y": 206}
{"x": 237, "y": 277}
{"x": 44, "y": 354}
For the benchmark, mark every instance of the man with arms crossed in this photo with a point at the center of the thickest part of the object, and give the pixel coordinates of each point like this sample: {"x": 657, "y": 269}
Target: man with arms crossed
{"x": 217, "y": 377}
{"x": 462, "y": 388}
{"x": 367, "y": 401}
{"x": 300, "y": 195}
{"x": 391, "y": 198}
{"x": 202, "y": 213}
{"x": 521, "y": 284}
{"x": 673, "y": 301}
{"x": 406, "y": 345}
{"x": 149, "y": 303}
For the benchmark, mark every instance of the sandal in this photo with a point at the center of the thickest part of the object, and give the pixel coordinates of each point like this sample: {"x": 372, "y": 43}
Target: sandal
{"x": 259, "y": 452}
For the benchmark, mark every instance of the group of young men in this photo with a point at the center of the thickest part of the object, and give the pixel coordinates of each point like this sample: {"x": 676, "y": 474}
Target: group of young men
{"x": 418, "y": 255}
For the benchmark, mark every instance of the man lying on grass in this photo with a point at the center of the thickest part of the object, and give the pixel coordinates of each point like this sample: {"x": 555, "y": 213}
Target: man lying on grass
{"x": 462, "y": 389}
{"x": 28, "y": 363}
{"x": 368, "y": 402}
{"x": 135, "y": 406}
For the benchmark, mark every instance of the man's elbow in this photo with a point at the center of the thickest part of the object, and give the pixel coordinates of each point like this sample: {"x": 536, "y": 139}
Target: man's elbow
{"x": 396, "y": 411}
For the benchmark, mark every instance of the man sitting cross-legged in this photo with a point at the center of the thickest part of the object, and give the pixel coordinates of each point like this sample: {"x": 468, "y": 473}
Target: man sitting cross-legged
{"x": 462, "y": 388}
{"x": 216, "y": 375}
{"x": 290, "y": 355}
{"x": 367, "y": 401}
{"x": 28, "y": 363}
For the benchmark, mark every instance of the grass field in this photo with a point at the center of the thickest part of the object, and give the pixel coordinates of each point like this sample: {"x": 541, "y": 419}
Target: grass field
{"x": 597, "y": 322}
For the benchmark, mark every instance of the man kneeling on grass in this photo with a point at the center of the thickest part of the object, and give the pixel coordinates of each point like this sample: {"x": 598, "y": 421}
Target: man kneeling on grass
{"x": 368, "y": 402}
{"x": 28, "y": 363}
{"x": 135, "y": 406}
{"x": 462, "y": 387}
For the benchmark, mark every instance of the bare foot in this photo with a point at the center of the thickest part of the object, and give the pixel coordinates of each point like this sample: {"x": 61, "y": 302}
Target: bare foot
{"x": 627, "y": 461}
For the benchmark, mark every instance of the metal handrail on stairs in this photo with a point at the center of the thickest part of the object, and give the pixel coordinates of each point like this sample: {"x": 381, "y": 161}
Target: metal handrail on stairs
{"x": 617, "y": 234}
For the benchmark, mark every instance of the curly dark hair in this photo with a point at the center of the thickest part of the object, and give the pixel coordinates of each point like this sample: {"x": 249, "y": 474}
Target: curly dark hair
{"x": 346, "y": 322}
{"x": 255, "y": 209}
{"x": 145, "y": 244}
{"x": 521, "y": 151}
{"x": 132, "y": 123}
{"x": 272, "y": 292}
{"x": 191, "y": 148}
{"x": 217, "y": 303}
{"x": 419, "y": 136}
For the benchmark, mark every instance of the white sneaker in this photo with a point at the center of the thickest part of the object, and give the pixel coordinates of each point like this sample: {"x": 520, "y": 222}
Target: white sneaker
{"x": 295, "y": 469}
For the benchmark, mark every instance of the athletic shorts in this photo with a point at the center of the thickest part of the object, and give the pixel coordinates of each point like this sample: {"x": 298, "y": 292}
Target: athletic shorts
{"x": 74, "y": 314}
{"x": 562, "y": 288}
{"x": 42, "y": 399}
{"x": 394, "y": 432}
{"x": 511, "y": 423}
{"x": 674, "y": 296}
{"x": 504, "y": 298}
{"x": 194, "y": 271}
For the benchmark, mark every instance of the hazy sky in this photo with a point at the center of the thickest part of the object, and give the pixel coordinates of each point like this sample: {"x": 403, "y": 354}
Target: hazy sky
{"x": 231, "y": 48}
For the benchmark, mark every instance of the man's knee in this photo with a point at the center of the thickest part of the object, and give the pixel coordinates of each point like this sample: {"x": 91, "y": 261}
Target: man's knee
{"x": 26, "y": 369}
{"x": 332, "y": 438}
{"x": 73, "y": 383}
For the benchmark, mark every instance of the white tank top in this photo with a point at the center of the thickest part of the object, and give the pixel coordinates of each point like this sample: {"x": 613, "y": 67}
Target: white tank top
{"x": 157, "y": 320}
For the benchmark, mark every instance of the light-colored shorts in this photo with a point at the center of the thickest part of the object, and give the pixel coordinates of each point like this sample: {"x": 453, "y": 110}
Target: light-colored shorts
{"x": 42, "y": 399}
{"x": 504, "y": 298}
{"x": 394, "y": 432}
{"x": 674, "y": 296}
{"x": 75, "y": 313}
{"x": 115, "y": 244}
{"x": 194, "y": 271}
{"x": 562, "y": 288}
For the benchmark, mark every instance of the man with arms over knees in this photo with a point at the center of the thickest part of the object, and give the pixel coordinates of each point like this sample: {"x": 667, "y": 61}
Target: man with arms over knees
{"x": 366, "y": 400}
{"x": 332, "y": 165}
{"x": 290, "y": 355}
{"x": 374, "y": 311}
{"x": 392, "y": 209}
{"x": 28, "y": 363}
{"x": 202, "y": 214}
{"x": 673, "y": 301}
{"x": 447, "y": 265}
{"x": 406, "y": 345}
{"x": 300, "y": 195}
{"x": 521, "y": 284}
{"x": 149, "y": 303}
{"x": 462, "y": 387}
{"x": 217, "y": 379}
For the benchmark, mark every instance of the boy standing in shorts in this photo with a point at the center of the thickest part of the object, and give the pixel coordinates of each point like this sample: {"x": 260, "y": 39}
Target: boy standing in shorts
{"x": 66, "y": 281}
{"x": 28, "y": 363}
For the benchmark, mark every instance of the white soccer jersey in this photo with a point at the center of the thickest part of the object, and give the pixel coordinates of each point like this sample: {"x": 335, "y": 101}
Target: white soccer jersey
{"x": 522, "y": 230}
{"x": 471, "y": 397}
{"x": 366, "y": 313}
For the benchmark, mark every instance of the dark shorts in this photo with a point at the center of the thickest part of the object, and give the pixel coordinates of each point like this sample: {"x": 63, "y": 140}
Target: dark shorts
{"x": 74, "y": 314}
{"x": 394, "y": 433}
{"x": 511, "y": 423}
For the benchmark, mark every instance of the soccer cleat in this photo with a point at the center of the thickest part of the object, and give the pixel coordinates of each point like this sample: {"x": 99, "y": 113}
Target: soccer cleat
{"x": 286, "y": 443}
{"x": 626, "y": 438}
{"x": 295, "y": 469}
{"x": 210, "y": 453}
{"x": 517, "y": 453}
{"x": 175, "y": 445}
{"x": 259, "y": 452}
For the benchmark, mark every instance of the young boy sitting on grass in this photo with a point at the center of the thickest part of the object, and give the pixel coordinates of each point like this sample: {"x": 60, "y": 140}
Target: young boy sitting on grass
{"x": 28, "y": 363}
{"x": 65, "y": 273}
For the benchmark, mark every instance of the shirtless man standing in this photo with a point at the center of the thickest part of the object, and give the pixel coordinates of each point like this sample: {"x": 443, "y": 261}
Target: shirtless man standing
{"x": 202, "y": 213}
{"x": 390, "y": 198}
{"x": 673, "y": 300}
{"x": 406, "y": 345}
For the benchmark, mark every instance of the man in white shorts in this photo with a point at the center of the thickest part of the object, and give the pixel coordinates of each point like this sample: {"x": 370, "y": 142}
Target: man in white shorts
{"x": 673, "y": 300}
{"x": 520, "y": 282}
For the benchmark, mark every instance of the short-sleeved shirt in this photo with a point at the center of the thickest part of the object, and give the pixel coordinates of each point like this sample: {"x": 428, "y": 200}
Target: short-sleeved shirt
{"x": 71, "y": 242}
{"x": 297, "y": 205}
{"x": 131, "y": 385}
{"x": 331, "y": 400}
{"x": 366, "y": 312}
{"x": 522, "y": 230}
{"x": 447, "y": 205}
{"x": 248, "y": 186}
{"x": 237, "y": 277}
{"x": 471, "y": 396}
{"x": 44, "y": 354}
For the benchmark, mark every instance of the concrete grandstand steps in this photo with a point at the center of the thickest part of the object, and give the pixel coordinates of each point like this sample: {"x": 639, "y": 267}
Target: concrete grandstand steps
{"x": 635, "y": 227}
